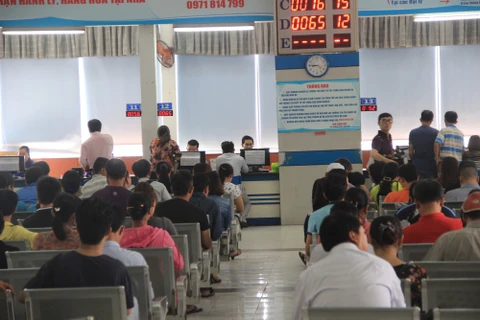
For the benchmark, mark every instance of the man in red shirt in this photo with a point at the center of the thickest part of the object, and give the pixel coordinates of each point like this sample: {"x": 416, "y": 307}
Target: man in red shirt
{"x": 408, "y": 175}
{"x": 432, "y": 223}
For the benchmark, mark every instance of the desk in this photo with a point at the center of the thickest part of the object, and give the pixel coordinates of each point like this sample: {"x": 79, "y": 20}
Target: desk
{"x": 263, "y": 189}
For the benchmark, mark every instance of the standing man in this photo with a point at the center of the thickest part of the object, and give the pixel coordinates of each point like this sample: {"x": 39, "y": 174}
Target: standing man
{"x": 421, "y": 146}
{"x": 25, "y": 152}
{"x": 382, "y": 148}
{"x": 449, "y": 141}
{"x": 98, "y": 145}
{"x": 193, "y": 145}
{"x": 247, "y": 143}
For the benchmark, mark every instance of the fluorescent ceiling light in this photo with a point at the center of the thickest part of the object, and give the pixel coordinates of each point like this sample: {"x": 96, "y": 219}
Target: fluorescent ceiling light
{"x": 447, "y": 16}
{"x": 42, "y": 31}
{"x": 213, "y": 29}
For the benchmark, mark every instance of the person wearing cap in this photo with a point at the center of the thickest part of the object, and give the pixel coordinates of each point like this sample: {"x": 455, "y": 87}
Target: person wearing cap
{"x": 432, "y": 223}
{"x": 464, "y": 244}
{"x": 118, "y": 179}
{"x": 336, "y": 186}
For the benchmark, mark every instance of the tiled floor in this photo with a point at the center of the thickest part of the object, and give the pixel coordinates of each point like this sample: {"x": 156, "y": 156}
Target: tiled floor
{"x": 260, "y": 283}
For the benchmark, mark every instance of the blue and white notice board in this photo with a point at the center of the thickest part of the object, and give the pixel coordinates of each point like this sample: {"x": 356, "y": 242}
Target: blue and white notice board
{"x": 69, "y": 13}
{"x": 408, "y": 7}
{"x": 318, "y": 105}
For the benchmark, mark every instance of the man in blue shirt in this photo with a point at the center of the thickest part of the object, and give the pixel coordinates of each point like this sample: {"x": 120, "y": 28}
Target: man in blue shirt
{"x": 335, "y": 190}
{"x": 28, "y": 195}
{"x": 421, "y": 147}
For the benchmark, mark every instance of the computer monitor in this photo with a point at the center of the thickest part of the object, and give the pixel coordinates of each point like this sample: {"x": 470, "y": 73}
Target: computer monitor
{"x": 12, "y": 164}
{"x": 256, "y": 157}
{"x": 190, "y": 158}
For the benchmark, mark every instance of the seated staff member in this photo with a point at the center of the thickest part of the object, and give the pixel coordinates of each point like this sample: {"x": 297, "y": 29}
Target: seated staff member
{"x": 193, "y": 145}
{"x": 98, "y": 145}
{"x": 248, "y": 143}
{"x": 382, "y": 148}
{"x": 8, "y": 203}
{"x": 331, "y": 282}
{"x": 25, "y": 152}
{"x": 47, "y": 189}
{"x": 87, "y": 266}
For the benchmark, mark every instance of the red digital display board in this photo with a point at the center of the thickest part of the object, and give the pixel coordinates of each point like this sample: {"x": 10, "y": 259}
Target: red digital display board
{"x": 134, "y": 114}
{"x": 165, "y": 113}
{"x": 305, "y": 26}
{"x": 369, "y": 108}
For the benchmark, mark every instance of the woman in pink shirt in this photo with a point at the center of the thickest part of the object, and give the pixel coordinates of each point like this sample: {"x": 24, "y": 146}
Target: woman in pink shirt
{"x": 142, "y": 235}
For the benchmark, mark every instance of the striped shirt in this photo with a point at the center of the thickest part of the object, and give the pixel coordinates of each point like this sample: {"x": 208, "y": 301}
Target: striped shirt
{"x": 98, "y": 182}
{"x": 450, "y": 140}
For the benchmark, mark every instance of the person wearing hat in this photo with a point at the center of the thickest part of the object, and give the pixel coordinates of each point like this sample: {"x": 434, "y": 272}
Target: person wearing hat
{"x": 463, "y": 244}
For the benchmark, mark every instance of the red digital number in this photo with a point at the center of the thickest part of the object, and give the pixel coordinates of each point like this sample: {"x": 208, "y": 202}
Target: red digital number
{"x": 341, "y": 4}
{"x": 165, "y": 113}
{"x": 342, "y": 21}
{"x": 307, "y": 5}
{"x": 308, "y": 23}
{"x": 134, "y": 114}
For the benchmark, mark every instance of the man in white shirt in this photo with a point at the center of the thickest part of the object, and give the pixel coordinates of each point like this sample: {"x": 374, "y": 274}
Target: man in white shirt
{"x": 98, "y": 145}
{"x": 142, "y": 170}
{"x": 99, "y": 179}
{"x": 348, "y": 276}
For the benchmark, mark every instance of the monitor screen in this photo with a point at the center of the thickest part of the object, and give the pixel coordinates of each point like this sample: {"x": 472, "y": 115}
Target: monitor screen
{"x": 256, "y": 157}
{"x": 191, "y": 158}
{"x": 12, "y": 164}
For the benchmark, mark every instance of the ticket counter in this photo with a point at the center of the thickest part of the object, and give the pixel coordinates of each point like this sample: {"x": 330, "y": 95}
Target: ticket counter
{"x": 263, "y": 189}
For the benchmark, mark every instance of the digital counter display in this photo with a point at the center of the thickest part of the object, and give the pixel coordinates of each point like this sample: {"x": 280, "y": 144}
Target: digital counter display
{"x": 165, "y": 113}
{"x": 134, "y": 114}
{"x": 316, "y": 26}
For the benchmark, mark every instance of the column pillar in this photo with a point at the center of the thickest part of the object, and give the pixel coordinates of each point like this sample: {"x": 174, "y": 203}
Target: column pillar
{"x": 147, "y": 40}
{"x": 169, "y": 83}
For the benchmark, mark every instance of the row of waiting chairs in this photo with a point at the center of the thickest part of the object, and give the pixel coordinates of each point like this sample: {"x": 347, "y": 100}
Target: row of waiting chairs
{"x": 388, "y": 314}
{"x": 391, "y": 208}
{"x": 178, "y": 291}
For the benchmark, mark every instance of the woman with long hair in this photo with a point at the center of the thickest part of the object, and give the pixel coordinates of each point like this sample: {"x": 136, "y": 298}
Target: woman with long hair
{"x": 225, "y": 171}
{"x": 141, "y": 235}
{"x": 388, "y": 183}
{"x": 62, "y": 236}
{"x": 449, "y": 176}
{"x": 473, "y": 153}
{"x": 163, "y": 171}
{"x": 163, "y": 148}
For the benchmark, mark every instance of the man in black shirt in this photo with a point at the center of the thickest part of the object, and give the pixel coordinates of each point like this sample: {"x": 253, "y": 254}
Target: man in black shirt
{"x": 47, "y": 189}
{"x": 180, "y": 210}
{"x": 87, "y": 266}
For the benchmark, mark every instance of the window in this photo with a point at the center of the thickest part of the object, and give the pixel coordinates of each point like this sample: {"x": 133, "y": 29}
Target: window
{"x": 403, "y": 81}
{"x": 459, "y": 87}
{"x": 40, "y": 106}
{"x": 110, "y": 84}
{"x": 216, "y": 100}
